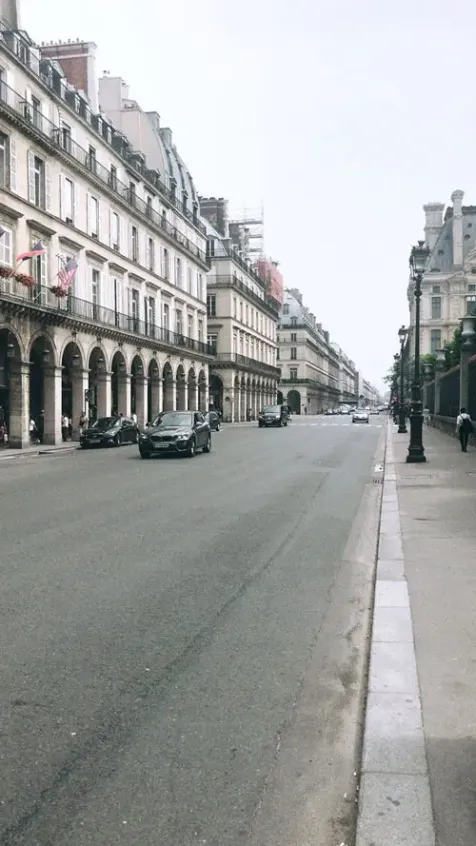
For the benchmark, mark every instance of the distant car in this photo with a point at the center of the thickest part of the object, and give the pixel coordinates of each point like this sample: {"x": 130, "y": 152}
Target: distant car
{"x": 374, "y": 411}
{"x": 360, "y": 415}
{"x": 329, "y": 411}
{"x": 273, "y": 415}
{"x": 109, "y": 431}
{"x": 344, "y": 410}
{"x": 213, "y": 420}
{"x": 176, "y": 432}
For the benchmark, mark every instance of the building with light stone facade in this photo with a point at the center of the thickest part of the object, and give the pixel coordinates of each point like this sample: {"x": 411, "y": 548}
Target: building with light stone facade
{"x": 132, "y": 332}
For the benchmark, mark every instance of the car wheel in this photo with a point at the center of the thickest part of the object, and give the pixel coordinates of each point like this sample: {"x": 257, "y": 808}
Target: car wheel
{"x": 208, "y": 445}
{"x": 260, "y": 425}
{"x": 83, "y": 446}
{"x": 218, "y": 427}
{"x": 144, "y": 454}
{"x": 192, "y": 449}
{"x": 117, "y": 440}
{"x": 136, "y": 438}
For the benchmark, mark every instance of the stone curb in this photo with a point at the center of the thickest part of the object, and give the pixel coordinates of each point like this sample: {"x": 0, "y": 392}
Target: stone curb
{"x": 32, "y": 453}
{"x": 395, "y": 805}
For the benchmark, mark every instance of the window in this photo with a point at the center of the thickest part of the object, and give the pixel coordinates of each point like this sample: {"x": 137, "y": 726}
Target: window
{"x": 132, "y": 193}
{"x": 178, "y": 272}
{"x": 163, "y": 219}
{"x": 93, "y": 217}
{"x": 189, "y": 280}
{"x": 95, "y": 291}
{"x": 4, "y": 161}
{"x": 435, "y": 340}
{"x": 150, "y": 255}
{"x": 113, "y": 178}
{"x": 149, "y": 315}
{"x": 293, "y": 337}
{"x": 241, "y": 311}
{"x": 247, "y": 315}
{"x": 6, "y": 246}
{"x": 293, "y": 353}
{"x": 212, "y": 342}
{"x": 190, "y": 326}
{"x": 436, "y": 289}
{"x": 285, "y": 308}
{"x": 65, "y": 136}
{"x": 166, "y": 316}
{"x": 235, "y": 310}
{"x": 165, "y": 263}
{"x": 470, "y": 305}
{"x": 436, "y": 308}
{"x": 200, "y": 331}
{"x": 277, "y": 355}
{"x": 211, "y": 305}
{"x": 179, "y": 322}
{"x": 115, "y": 231}
{"x": 134, "y": 243}
{"x": 67, "y": 200}
{"x": 200, "y": 286}
{"x": 92, "y": 161}
{"x": 36, "y": 112}
{"x": 293, "y": 373}
{"x": 37, "y": 181}
{"x": 293, "y": 321}
{"x": 135, "y": 310}
{"x": 148, "y": 210}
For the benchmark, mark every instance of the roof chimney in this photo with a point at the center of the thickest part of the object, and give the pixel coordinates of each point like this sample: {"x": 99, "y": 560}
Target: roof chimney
{"x": 457, "y": 200}
{"x": 433, "y": 222}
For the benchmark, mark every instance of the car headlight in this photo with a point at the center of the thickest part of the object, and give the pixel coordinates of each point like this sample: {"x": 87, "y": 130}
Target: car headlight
{"x": 183, "y": 437}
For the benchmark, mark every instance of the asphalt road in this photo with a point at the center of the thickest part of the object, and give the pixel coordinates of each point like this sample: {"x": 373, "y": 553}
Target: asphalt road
{"x": 180, "y": 640}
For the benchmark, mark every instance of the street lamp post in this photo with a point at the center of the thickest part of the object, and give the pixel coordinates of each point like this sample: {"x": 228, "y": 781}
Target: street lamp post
{"x": 416, "y": 452}
{"x": 402, "y": 424}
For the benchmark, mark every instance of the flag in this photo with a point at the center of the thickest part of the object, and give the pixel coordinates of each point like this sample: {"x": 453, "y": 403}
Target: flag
{"x": 67, "y": 273}
{"x": 37, "y": 250}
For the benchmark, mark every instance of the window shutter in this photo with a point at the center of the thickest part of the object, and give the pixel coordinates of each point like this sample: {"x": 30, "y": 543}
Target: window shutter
{"x": 61, "y": 196}
{"x": 47, "y": 187}
{"x": 75, "y": 200}
{"x": 147, "y": 252}
{"x": 31, "y": 177}
{"x": 111, "y": 233}
{"x": 13, "y": 165}
{"x": 87, "y": 215}
{"x": 9, "y": 94}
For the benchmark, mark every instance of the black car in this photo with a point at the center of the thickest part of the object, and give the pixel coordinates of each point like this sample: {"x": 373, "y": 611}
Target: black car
{"x": 179, "y": 432}
{"x": 273, "y": 415}
{"x": 213, "y": 418}
{"x": 110, "y": 431}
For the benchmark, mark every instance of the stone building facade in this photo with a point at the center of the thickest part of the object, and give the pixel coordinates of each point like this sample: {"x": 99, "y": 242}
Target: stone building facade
{"x": 131, "y": 335}
{"x": 310, "y": 368}
{"x": 242, "y": 320}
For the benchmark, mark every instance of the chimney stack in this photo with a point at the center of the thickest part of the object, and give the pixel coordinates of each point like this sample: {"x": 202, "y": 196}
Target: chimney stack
{"x": 457, "y": 200}
{"x": 433, "y": 222}
{"x": 78, "y": 61}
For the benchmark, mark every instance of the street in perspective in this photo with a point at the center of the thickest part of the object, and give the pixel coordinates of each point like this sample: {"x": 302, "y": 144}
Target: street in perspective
{"x": 237, "y": 430}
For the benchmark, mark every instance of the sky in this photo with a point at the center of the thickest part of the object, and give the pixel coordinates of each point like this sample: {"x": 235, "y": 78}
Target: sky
{"x": 340, "y": 118}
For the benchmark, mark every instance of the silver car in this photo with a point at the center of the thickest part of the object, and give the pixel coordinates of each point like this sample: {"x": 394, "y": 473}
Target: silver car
{"x": 360, "y": 415}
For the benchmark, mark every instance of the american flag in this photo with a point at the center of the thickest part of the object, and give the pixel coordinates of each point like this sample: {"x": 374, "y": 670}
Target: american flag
{"x": 37, "y": 250}
{"x": 67, "y": 273}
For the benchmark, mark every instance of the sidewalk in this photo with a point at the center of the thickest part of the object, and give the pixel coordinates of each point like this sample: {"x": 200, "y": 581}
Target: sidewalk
{"x": 419, "y": 765}
{"x": 38, "y": 449}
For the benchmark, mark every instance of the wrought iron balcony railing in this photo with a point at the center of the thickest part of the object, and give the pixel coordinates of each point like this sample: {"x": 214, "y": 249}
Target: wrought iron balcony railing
{"x": 267, "y": 303}
{"x": 246, "y": 361}
{"x": 42, "y": 299}
{"x": 14, "y": 103}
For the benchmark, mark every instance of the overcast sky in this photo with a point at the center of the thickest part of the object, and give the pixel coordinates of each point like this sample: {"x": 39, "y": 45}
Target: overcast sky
{"x": 339, "y": 117}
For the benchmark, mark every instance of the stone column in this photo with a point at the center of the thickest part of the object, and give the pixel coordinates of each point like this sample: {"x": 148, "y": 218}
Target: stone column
{"x": 80, "y": 386}
{"x": 124, "y": 394}
{"x": 174, "y": 395}
{"x": 104, "y": 394}
{"x": 19, "y": 395}
{"x": 52, "y": 377}
{"x": 193, "y": 396}
{"x": 237, "y": 405}
{"x": 141, "y": 399}
{"x": 156, "y": 397}
{"x": 185, "y": 395}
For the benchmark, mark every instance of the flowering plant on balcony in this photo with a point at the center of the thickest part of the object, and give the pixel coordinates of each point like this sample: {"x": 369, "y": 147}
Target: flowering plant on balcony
{"x": 25, "y": 279}
{"x": 59, "y": 291}
{"x": 5, "y": 272}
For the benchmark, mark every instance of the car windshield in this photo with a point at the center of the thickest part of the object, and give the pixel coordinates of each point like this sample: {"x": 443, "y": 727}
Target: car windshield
{"x": 105, "y": 423}
{"x": 174, "y": 418}
{"x": 272, "y": 409}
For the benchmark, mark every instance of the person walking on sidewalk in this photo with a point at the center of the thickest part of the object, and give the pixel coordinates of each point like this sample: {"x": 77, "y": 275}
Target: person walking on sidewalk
{"x": 464, "y": 428}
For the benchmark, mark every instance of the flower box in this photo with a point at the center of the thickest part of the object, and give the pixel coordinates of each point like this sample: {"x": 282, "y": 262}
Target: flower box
{"x": 5, "y": 272}
{"x": 58, "y": 291}
{"x": 25, "y": 279}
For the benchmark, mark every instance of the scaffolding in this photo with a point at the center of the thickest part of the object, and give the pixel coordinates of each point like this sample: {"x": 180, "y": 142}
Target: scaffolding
{"x": 247, "y": 233}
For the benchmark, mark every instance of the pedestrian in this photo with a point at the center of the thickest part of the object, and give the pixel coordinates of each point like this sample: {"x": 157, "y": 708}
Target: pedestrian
{"x": 64, "y": 427}
{"x": 33, "y": 432}
{"x": 40, "y": 426}
{"x": 134, "y": 417}
{"x": 464, "y": 428}
{"x": 83, "y": 421}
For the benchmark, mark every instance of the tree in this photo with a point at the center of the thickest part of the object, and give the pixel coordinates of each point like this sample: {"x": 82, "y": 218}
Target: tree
{"x": 453, "y": 349}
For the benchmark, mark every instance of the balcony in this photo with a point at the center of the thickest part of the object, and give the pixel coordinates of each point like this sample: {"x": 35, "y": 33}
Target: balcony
{"x": 330, "y": 387}
{"x": 88, "y": 316}
{"x": 267, "y": 304}
{"x": 230, "y": 359}
{"x": 18, "y": 46}
{"x": 223, "y": 250}
{"x": 14, "y": 106}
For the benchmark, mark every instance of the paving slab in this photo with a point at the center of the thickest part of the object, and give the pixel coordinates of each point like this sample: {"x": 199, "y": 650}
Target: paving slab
{"x": 394, "y": 738}
{"x": 396, "y": 811}
{"x": 392, "y": 625}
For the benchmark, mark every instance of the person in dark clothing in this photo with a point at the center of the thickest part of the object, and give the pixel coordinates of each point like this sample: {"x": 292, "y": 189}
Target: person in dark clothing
{"x": 464, "y": 428}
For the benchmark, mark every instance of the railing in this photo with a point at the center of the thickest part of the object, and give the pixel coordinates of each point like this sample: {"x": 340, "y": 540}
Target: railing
{"x": 234, "y": 282}
{"x": 11, "y": 100}
{"x": 245, "y": 361}
{"x": 7, "y": 36}
{"x": 42, "y": 298}
{"x": 321, "y": 386}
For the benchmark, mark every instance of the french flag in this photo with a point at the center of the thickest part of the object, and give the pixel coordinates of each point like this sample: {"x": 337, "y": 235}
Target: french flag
{"x": 37, "y": 250}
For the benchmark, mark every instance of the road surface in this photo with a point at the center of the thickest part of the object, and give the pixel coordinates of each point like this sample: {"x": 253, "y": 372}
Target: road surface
{"x": 182, "y": 641}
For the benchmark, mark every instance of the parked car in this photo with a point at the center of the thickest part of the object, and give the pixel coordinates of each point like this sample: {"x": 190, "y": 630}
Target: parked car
{"x": 360, "y": 415}
{"x": 176, "y": 432}
{"x": 109, "y": 431}
{"x": 213, "y": 419}
{"x": 329, "y": 411}
{"x": 374, "y": 411}
{"x": 273, "y": 415}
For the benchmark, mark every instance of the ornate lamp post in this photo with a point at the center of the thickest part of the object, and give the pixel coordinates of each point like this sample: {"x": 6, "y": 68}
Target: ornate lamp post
{"x": 416, "y": 452}
{"x": 402, "y": 425}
